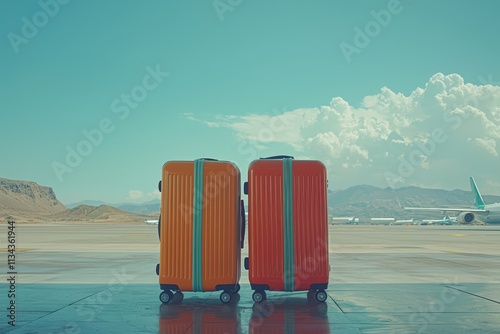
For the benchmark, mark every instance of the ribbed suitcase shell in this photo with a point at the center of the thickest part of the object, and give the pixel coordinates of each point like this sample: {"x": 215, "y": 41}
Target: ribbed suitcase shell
{"x": 218, "y": 208}
{"x": 266, "y": 231}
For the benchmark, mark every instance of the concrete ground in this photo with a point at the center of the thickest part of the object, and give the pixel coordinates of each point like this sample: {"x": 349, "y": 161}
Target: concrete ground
{"x": 384, "y": 279}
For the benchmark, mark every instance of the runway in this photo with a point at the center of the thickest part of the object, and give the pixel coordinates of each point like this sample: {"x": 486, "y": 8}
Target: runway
{"x": 384, "y": 279}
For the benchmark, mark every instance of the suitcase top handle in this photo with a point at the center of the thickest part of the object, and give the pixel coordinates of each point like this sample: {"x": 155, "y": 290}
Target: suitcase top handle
{"x": 279, "y": 157}
{"x": 208, "y": 159}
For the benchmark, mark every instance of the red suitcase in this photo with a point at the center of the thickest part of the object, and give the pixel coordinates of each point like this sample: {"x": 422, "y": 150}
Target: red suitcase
{"x": 287, "y": 226}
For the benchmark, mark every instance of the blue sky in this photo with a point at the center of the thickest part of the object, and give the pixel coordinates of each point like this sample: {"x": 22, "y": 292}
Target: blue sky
{"x": 384, "y": 92}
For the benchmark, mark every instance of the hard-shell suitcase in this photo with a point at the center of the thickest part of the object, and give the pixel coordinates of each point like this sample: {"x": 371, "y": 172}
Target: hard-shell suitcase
{"x": 287, "y": 226}
{"x": 201, "y": 228}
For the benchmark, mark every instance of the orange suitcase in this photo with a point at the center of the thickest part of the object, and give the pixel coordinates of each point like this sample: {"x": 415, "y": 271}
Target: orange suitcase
{"x": 287, "y": 226}
{"x": 201, "y": 228}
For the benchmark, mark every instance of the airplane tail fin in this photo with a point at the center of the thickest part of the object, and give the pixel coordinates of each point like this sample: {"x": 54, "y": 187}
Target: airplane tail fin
{"x": 478, "y": 199}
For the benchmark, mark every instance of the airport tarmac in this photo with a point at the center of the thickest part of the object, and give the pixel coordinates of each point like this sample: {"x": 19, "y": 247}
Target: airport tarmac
{"x": 384, "y": 279}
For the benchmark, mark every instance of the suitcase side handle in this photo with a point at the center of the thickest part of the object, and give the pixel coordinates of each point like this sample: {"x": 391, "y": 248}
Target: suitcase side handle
{"x": 279, "y": 157}
{"x": 243, "y": 224}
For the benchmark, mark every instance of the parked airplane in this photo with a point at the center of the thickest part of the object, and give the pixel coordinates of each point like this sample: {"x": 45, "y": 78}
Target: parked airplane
{"x": 343, "y": 220}
{"x": 447, "y": 220}
{"x": 481, "y": 213}
{"x": 403, "y": 222}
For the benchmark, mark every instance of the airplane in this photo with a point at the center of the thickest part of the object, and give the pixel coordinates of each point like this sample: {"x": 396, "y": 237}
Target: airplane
{"x": 343, "y": 220}
{"x": 488, "y": 214}
{"x": 447, "y": 220}
{"x": 403, "y": 222}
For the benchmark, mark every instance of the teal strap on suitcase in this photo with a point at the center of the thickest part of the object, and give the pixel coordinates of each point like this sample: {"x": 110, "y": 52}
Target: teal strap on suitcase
{"x": 197, "y": 224}
{"x": 289, "y": 270}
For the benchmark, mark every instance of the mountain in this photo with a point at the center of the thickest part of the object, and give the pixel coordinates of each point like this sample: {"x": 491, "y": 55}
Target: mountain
{"x": 24, "y": 198}
{"x": 368, "y": 201}
{"x": 147, "y": 208}
{"x": 87, "y": 202}
{"x": 88, "y": 213}
{"x": 363, "y": 201}
{"x": 28, "y": 201}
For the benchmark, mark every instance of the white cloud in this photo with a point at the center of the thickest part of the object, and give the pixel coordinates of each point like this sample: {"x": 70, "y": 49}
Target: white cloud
{"x": 140, "y": 196}
{"x": 135, "y": 195}
{"x": 489, "y": 145}
{"x": 155, "y": 194}
{"x": 390, "y": 136}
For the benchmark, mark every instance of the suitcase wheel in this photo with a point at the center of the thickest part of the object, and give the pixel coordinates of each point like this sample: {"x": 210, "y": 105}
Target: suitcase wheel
{"x": 225, "y": 297}
{"x": 236, "y": 288}
{"x": 166, "y": 296}
{"x": 321, "y": 295}
{"x": 259, "y": 296}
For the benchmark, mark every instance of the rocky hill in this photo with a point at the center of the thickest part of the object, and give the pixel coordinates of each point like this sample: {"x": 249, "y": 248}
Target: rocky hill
{"x": 25, "y": 201}
{"x": 24, "y": 198}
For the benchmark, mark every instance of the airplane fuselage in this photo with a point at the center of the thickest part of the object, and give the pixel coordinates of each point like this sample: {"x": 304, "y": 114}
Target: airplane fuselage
{"x": 492, "y": 217}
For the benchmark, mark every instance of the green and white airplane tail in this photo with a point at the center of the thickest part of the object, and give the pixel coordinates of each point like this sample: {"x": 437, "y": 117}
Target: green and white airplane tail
{"x": 478, "y": 199}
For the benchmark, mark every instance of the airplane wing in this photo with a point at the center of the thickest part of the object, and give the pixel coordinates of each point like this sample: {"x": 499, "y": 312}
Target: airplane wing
{"x": 449, "y": 209}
